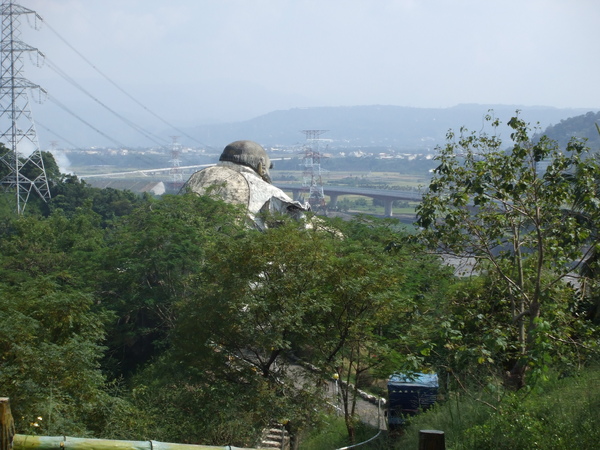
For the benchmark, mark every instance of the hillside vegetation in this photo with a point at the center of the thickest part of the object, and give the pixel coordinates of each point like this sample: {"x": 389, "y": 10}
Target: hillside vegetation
{"x": 170, "y": 319}
{"x": 582, "y": 127}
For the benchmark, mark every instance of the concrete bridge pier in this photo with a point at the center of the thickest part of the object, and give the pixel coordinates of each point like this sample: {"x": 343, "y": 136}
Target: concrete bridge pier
{"x": 333, "y": 198}
{"x": 388, "y": 202}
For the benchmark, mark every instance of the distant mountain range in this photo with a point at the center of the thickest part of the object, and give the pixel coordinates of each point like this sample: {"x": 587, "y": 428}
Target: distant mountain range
{"x": 398, "y": 127}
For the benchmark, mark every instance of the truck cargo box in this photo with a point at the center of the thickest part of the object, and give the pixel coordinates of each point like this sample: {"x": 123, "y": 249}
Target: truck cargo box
{"x": 409, "y": 394}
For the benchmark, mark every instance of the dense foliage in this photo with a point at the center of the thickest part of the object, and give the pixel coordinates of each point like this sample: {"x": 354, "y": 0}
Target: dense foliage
{"x": 130, "y": 317}
{"x": 170, "y": 319}
{"x": 562, "y": 415}
{"x": 512, "y": 211}
{"x": 583, "y": 127}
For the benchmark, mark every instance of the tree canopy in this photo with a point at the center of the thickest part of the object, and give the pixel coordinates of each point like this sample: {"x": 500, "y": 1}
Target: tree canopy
{"x": 132, "y": 317}
{"x": 509, "y": 210}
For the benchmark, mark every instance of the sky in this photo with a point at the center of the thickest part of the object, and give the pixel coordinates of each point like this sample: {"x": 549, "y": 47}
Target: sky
{"x": 201, "y": 61}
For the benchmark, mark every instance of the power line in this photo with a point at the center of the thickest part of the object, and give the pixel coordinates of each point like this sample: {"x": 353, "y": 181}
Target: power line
{"x": 139, "y": 129}
{"x": 79, "y": 146}
{"x": 58, "y": 103}
{"x": 119, "y": 87}
{"x": 56, "y": 134}
{"x": 119, "y": 144}
{"x": 103, "y": 161}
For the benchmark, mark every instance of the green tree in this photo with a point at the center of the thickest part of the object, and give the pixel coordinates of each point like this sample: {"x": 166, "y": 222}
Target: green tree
{"x": 70, "y": 193}
{"x": 329, "y": 294}
{"x": 506, "y": 209}
{"x": 152, "y": 255}
{"x": 251, "y": 310}
{"x": 383, "y": 292}
{"x": 52, "y": 328}
{"x": 51, "y": 344}
{"x": 591, "y": 266}
{"x": 194, "y": 400}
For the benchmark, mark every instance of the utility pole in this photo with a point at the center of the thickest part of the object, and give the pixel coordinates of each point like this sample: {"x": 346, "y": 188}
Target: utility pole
{"x": 21, "y": 164}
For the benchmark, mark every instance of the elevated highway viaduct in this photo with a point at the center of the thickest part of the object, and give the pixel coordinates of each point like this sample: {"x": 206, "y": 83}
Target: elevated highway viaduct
{"x": 388, "y": 196}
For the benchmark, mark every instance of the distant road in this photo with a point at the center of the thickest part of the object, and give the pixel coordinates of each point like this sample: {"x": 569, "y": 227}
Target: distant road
{"x": 331, "y": 191}
{"x": 388, "y": 196}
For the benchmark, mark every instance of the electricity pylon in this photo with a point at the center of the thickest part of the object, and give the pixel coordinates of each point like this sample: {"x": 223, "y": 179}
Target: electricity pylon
{"x": 21, "y": 161}
{"x": 312, "y": 182}
{"x": 176, "y": 174}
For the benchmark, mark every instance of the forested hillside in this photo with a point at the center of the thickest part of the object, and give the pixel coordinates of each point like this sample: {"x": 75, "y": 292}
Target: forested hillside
{"x": 133, "y": 317}
{"x": 170, "y": 319}
{"x": 581, "y": 127}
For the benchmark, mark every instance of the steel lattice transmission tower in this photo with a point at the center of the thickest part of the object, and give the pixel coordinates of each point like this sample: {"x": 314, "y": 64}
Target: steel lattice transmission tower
{"x": 23, "y": 160}
{"x": 176, "y": 174}
{"x": 312, "y": 182}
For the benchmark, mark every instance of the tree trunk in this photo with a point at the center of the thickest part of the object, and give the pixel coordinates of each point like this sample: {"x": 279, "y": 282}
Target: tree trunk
{"x": 7, "y": 424}
{"x": 351, "y": 428}
{"x": 516, "y": 377}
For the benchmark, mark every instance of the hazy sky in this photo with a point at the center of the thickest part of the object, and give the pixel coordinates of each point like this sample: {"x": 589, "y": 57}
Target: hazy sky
{"x": 200, "y": 60}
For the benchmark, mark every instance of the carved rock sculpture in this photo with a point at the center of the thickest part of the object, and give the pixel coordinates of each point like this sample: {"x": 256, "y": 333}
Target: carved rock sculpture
{"x": 242, "y": 176}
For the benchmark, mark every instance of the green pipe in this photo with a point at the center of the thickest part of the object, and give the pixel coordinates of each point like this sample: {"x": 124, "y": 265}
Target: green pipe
{"x": 25, "y": 442}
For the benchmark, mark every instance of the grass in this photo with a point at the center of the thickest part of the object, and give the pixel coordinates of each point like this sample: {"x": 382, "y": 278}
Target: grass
{"x": 390, "y": 178}
{"x": 364, "y": 178}
{"x": 333, "y": 435}
{"x": 559, "y": 414}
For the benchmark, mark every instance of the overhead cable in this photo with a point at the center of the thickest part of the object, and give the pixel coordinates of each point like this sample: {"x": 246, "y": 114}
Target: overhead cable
{"x": 139, "y": 129}
{"x": 150, "y": 160}
{"x": 58, "y": 103}
{"x": 120, "y": 88}
{"x": 37, "y": 122}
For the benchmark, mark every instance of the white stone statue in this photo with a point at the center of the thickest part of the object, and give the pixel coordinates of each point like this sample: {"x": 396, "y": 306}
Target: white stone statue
{"x": 242, "y": 177}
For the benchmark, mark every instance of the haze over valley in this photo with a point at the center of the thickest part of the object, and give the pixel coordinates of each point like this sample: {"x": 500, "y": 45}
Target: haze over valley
{"x": 220, "y": 71}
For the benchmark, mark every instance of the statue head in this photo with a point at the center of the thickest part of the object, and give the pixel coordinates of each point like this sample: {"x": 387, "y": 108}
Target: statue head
{"x": 250, "y": 154}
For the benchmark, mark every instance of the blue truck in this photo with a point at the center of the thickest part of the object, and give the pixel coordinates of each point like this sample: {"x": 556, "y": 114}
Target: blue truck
{"x": 409, "y": 394}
